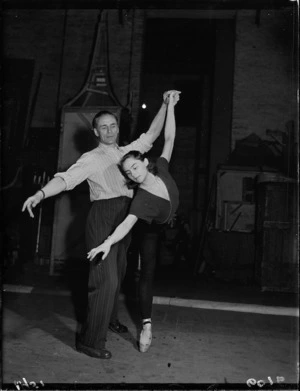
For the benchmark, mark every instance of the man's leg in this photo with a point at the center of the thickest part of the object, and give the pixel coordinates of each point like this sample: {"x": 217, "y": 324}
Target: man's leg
{"x": 115, "y": 325}
{"x": 103, "y": 280}
{"x": 103, "y": 283}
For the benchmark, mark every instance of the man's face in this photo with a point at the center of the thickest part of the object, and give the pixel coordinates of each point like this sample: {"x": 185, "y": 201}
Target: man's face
{"x": 107, "y": 129}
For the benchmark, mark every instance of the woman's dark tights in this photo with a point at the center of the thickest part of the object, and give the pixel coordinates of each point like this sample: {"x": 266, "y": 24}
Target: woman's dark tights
{"x": 148, "y": 244}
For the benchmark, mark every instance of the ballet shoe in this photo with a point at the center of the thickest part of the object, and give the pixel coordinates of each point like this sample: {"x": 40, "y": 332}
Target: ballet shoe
{"x": 145, "y": 338}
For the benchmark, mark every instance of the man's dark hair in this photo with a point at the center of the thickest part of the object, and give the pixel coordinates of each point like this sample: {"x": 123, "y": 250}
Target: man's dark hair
{"x": 100, "y": 114}
{"x": 138, "y": 156}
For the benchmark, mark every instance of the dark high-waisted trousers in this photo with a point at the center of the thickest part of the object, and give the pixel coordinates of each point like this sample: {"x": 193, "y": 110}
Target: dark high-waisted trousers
{"x": 104, "y": 278}
{"x": 148, "y": 235}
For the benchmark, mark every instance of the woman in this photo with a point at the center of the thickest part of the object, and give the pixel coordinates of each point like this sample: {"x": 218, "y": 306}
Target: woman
{"x": 156, "y": 201}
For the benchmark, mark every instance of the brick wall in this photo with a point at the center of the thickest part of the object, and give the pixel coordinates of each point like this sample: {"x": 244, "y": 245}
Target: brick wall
{"x": 263, "y": 77}
{"x": 264, "y": 84}
{"x": 39, "y": 35}
{"x": 34, "y": 34}
{"x": 263, "y": 64}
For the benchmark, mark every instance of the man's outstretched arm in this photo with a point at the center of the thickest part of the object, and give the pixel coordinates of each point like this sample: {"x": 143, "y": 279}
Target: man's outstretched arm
{"x": 52, "y": 188}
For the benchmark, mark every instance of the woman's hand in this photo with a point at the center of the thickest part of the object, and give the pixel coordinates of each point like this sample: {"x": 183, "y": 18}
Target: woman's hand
{"x": 32, "y": 202}
{"x": 174, "y": 97}
{"x": 166, "y": 96}
{"x": 103, "y": 248}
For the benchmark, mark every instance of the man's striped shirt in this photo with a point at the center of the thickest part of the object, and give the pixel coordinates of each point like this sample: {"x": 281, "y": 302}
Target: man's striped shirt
{"x": 99, "y": 168}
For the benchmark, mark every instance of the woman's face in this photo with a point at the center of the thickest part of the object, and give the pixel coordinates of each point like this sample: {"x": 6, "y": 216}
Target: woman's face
{"x": 135, "y": 169}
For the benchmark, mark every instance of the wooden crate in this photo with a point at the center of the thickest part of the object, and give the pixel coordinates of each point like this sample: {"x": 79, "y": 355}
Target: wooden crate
{"x": 276, "y": 251}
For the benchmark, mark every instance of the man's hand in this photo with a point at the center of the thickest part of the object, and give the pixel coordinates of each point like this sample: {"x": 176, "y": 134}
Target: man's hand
{"x": 173, "y": 221}
{"x": 158, "y": 121}
{"x": 166, "y": 95}
{"x": 32, "y": 202}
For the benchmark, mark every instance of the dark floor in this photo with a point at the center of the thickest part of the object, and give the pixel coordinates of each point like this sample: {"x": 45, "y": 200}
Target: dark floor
{"x": 190, "y": 346}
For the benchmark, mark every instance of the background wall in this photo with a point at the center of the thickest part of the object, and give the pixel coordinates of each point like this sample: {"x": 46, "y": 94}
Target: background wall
{"x": 265, "y": 72}
{"x": 263, "y": 79}
{"x": 39, "y": 35}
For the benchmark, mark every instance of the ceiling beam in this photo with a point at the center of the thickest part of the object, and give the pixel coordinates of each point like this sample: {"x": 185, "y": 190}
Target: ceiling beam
{"x": 147, "y": 4}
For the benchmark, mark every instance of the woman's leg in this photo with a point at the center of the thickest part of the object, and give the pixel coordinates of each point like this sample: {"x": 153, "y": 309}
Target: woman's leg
{"x": 148, "y": 235}
{"x": 148, "y": 241}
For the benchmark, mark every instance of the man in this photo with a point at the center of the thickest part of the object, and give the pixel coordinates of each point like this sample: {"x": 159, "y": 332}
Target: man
{"x": 110, "y": 201}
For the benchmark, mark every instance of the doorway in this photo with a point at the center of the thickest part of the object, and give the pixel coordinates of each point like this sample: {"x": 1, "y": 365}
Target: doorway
{"x": 180, "y": 54}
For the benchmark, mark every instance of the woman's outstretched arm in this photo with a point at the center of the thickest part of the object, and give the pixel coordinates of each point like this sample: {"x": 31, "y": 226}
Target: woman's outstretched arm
{"x": 170, "y": 127}
{"x": 158, "y": 122}
{"x": 119, "y": 233}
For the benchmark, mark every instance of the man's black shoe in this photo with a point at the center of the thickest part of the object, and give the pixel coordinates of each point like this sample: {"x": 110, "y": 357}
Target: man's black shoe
{"x": 117, "y": 327}
{"x": 97, "y": 353}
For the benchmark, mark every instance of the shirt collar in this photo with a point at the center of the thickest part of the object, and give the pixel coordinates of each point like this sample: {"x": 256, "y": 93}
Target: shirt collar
{"x": 108, "y": 148}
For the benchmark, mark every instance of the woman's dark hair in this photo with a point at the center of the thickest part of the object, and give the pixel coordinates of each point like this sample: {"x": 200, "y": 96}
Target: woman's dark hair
{"x": 100, "y": 114}
{"x": 138, "y": 156}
